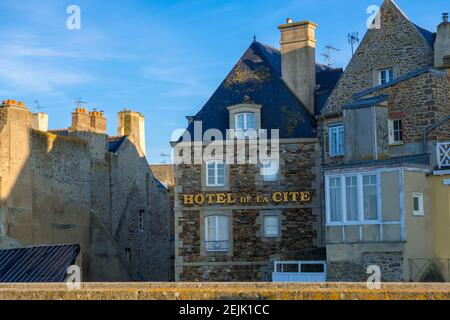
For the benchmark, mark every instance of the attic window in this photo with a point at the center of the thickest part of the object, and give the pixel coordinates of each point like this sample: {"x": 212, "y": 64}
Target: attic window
{"x": 386, "y": 76}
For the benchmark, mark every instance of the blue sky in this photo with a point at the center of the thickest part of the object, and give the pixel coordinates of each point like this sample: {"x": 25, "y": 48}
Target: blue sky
{"x": 160, "y": 57}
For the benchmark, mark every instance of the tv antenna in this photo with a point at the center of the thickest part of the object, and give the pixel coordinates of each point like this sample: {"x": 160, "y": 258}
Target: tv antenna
{"x": 353, "y": 39}
{"x": 328, "y": 54}
{"x": 37, "y": 106}
{"x": 79, "y": 102}
{"x": 164, "y": 157}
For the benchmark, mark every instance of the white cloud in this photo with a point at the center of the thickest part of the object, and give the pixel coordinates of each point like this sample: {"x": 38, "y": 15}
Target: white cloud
{"x": 31, "y": 77}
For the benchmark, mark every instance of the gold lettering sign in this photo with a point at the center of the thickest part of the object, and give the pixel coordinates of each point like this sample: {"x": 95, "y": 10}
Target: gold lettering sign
{"x": 230, "y": 198}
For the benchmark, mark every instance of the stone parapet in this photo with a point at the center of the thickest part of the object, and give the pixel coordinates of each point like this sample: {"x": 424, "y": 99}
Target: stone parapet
{"x": 221, "y": 291}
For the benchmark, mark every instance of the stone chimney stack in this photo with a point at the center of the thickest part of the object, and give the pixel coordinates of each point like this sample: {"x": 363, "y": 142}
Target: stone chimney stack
{"x": 81, "y": 120}
{"x": 40, "y": 121}
{"x": 442, "y": 43}
{"x": 97, "y": 121}
{"x": 298, "y": 60}
{"x": 132, "y": 124}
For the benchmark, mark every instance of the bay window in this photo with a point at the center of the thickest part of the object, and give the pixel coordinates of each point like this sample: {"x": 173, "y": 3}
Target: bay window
{"x": 351, "y": 191}
{"x": 216, "y": 233}
{"x": 352, "y": 198}
{"x": 335, "y": 200}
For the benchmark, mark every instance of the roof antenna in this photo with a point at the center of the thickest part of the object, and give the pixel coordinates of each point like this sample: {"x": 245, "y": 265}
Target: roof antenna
{"x": 38, "y": 106}
{"x": 79, "y": 102}
{"x": 254, "y": 37}
{"x": 353, "y": 39}
{"x": 327, "y": 54}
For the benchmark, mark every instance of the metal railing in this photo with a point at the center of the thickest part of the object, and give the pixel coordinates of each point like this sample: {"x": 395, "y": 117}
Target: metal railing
{"x": 429, "y": 270}
{"x": 216, "y": 245}
{"x": 299, "y": 271}
{"x": 443, "y": 155}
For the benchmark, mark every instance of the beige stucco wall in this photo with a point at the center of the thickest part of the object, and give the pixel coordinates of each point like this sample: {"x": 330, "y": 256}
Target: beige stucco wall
{"x": 441, "y": 217}
{"x": 419, "y": 239}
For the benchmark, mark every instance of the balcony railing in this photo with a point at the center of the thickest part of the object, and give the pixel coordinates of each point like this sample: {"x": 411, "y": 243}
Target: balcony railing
{"x": 216, "y": 245}
{"x": 443, "y": 155}
{"x": 299, "y": 271}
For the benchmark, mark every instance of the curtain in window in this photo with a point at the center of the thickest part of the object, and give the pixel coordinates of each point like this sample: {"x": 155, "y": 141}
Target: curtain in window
{"x": 216, "y": 232}
{"x": 271, "y": 226}
{"x": 370, "y": 197}
{"x": 335, "y": 200}
{"x": 351, "y": 185}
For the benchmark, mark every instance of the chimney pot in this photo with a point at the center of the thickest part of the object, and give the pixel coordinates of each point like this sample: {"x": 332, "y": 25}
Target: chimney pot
{"x": 289, "y": 20}
{"x": 445, "y": 17}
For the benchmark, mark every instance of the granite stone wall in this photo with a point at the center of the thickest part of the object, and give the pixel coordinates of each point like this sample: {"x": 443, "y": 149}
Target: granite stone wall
{"x": 251, "y": 255}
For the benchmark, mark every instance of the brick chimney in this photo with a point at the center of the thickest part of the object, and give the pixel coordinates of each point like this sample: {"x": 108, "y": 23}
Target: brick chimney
{"x": 97, "y": 121}
{"x": 442, "y": 43}
{"x": 81, "y": 120}
{"x": 11, "y": 103}
{"x": 132, "y": 124}
{"x": 298, "y": 60}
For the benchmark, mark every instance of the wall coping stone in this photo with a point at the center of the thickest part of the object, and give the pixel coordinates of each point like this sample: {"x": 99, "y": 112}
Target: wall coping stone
{"x": 238, "y": 291}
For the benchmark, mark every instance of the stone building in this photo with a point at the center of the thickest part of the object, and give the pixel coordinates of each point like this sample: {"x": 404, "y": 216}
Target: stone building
{"x": 379, "y": 131}
{"x": 80, "y": 186}
{"x": 236, "y": 215}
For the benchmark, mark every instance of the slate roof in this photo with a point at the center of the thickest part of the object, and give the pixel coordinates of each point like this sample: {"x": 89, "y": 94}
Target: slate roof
{"x": 37, "y": 264}
{"x": 256, "y": 78}
{"x": 416, "y": 159}
{"x": 114, "y": 143}
{"x": 366, "y": 102}
{"x": 428, "y": 35}
{"x": 408, "y": 76}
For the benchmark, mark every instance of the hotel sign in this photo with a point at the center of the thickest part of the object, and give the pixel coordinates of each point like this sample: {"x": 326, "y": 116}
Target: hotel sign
{"x": 231, "y": 198}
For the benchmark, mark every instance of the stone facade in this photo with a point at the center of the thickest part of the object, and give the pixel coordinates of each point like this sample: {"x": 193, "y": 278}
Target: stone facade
{"x": 67, "y": 186}
{"x": 419, "y": 97}
{"x": 251, "y": 255}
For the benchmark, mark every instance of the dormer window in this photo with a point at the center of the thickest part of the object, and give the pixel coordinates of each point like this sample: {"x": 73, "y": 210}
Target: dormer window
{"x": 245, "y": 121}
{"x": 386, "y": 76}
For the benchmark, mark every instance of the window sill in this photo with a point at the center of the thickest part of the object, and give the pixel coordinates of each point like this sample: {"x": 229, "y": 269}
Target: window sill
{"x": 396, "y": 144}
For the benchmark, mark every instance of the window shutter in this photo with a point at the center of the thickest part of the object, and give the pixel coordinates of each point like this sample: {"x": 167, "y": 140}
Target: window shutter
{"x": 391, "y": 131}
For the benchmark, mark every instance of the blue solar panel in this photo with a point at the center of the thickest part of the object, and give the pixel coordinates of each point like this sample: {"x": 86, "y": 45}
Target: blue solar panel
{"x": 37, "y": 264}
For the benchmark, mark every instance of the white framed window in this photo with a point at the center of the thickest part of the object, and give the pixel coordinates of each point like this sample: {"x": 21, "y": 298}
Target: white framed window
{"x": 215, "y": 173}
{"x": 270, "y": 170}
{"x": 271, "y": 226}
{"x": 418, "y": 204}
{"x": 335, "y": 193}
{"x": 336, "y": 140}
{"x": 385, "y": 76}
{"x": 245, "y": 125}
{"x": 216, "y": 233}
{"x": 141, "y": 219}
{"x": 370, "y": 196}
{"x": 352, "y": 198}
{"x": 351, "y": 194}
{"x": 128, "y": 254}
{"x": 395, "y": 131}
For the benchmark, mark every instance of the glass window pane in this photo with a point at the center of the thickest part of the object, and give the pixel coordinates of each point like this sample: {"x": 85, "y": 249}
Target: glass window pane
{"x": 335, "y": 200}
{"x": 370, "y": 197}
{"x": 352, "y": 198}
{"x": 250, "y": 121}
{"x": 271, "y": 226}
{"x": 240, "y": 119}
{"x": 222, "y": 228}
